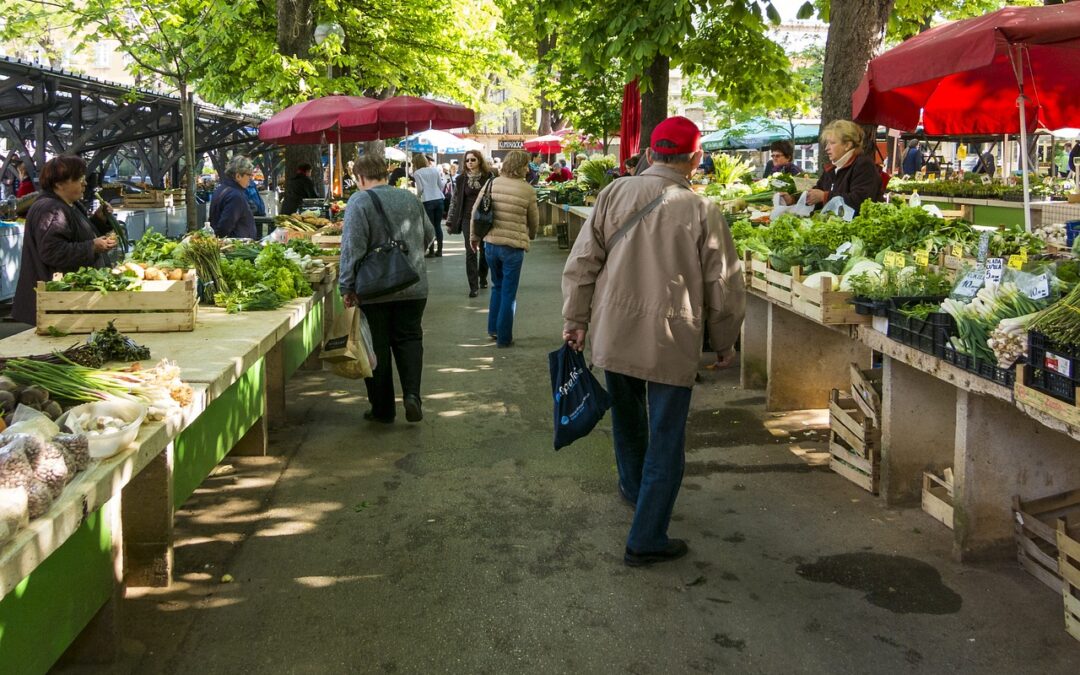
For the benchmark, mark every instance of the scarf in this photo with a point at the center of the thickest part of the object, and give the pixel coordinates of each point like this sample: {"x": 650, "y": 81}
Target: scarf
{"x": 473, "y": 179}
{"x": 846, "y": 159}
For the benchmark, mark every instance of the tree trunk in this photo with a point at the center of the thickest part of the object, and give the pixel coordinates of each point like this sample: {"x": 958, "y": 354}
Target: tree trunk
{"x": 654, "y": 102}
{"x": 547, "y": 122}
{"x": 295, "y": 33}
{"x": 187, "y": 123}
{"x": 856, "y": 30}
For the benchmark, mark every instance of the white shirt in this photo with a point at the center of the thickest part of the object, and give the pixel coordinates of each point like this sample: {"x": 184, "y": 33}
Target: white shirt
{"x": 429, "y": 183}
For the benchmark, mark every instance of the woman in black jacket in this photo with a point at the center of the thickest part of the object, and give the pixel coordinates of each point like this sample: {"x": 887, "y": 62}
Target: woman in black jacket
{"x": 61, "y": 236}
{"x": 467, "y": 185}
{"x": 853, "y": 175}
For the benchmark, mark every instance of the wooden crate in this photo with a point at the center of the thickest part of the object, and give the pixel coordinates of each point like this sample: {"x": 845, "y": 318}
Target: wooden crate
{"x": 326, "y": 240}
{"x": 866, "y": 390}
{"x": 854, "y": 443}
{"x": 755, "y": 273}
{"x": 159, "y": 307}
{"x": 778, "y": 284}
{"x": 937, "y": 497}
{"x": 824, "y": 305}
{"x": 1036, "y": 535}
{"x": 147, "y": 200}
{"x": 1069, "y": 566}
{"x": 297, "y": 234}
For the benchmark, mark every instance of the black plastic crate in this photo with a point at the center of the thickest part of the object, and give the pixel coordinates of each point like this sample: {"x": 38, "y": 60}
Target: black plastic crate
{"x": 868, "y": 307}
{"x": 984, "y": 369}
{"x": 929, "y": 335}
{"x": 1049, "y": 382}
{"x": 1046, "y": 354}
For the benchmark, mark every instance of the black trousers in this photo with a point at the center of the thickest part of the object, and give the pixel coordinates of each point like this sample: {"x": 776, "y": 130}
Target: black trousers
{"x": 476, "y": 267}
{"x": 395, "y": 329}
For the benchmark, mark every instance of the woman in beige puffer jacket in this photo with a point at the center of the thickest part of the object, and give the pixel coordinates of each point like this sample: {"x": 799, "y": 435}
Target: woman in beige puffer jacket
{"x": 516, "y": 219}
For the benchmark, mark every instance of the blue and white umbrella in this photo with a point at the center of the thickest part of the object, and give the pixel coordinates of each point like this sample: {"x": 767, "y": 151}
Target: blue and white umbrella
{"x": 435, "y": 141}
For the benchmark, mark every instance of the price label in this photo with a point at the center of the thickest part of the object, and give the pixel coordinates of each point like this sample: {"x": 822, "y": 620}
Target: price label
{"x": 1036, "y": 288}
{"x": 995, "y": 268}
{"x": 1016, "y": 263}
{"x": 970, "y": 284}
{"x": 957, "y": 251}
{"x": 986, "y": 179}
{"x": 1023, "y": 253}
{"x": 984, "y": 245}
{"x": 894, "y": 259}
{"x": 932, "y": 177}
{"x": 922, "y": 258}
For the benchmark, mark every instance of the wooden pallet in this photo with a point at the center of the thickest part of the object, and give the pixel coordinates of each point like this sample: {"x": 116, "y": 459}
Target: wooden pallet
{"x": 1069, "y": 566}
{"x": 824, "y": 305}
{"x": 158, "y": 307}
{"x": 854, "y": 443}
{"x": 1036, "y": 536}
{"x": 866, "y": 390}
{"x": 937, "y": 497}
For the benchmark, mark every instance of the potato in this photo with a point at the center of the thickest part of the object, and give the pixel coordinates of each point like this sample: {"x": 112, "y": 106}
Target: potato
{"x": 176, "y": 275}
{"x": 154, "y": 274}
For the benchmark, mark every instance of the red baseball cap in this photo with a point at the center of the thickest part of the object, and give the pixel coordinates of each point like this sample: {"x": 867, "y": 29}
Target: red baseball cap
{"x": 675, "y": 136}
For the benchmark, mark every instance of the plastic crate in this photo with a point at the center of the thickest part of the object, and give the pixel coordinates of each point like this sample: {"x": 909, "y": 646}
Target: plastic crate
{"x": 1047, "y": 354}
{"x": 983, "y": 369}
{"x": 1049, "y": 382}
{"x": 868, "y": 307}
{"x": 929, "y": 335}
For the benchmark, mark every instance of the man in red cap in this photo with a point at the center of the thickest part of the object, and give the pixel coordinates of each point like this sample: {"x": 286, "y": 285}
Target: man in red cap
{"x": 654, "y": 265}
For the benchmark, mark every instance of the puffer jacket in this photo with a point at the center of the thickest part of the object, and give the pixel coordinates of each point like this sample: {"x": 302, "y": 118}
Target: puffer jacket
{"x": 516, "y": 214}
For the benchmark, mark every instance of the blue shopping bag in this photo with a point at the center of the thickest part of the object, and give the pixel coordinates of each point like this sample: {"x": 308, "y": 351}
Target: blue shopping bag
{"x": 580, "y": 401}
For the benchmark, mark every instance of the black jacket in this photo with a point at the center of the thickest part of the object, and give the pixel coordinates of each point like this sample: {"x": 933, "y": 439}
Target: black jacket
{"x": 59, "y": 238}
{"x": 461, "y": 205}
{"x": 230, "y": 214}
{"x": 297, "y": 189}
{"x": 857, "y": 182}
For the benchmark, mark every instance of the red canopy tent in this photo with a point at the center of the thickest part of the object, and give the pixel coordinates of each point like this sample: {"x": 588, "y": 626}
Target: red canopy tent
{"x": 960, "y": 77}
{"x": 546, "y": 145}
{"x": 402, "y": 115}
{"x": 306, "y": 123}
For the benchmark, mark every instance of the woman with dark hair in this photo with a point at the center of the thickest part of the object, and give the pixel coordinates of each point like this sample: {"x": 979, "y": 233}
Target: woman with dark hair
{"x": 61, "y": 235}
{"x": 429, "y": 187}
{"x": 781, "y": 153}
{"x": 467, "y": 185}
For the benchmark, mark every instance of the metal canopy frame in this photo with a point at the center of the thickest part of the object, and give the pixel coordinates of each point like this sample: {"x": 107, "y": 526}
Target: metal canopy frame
{"x": 48, "y": 112}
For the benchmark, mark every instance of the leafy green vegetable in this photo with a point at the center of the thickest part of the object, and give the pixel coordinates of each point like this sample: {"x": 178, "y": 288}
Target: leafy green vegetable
{"x": 249, "y": 298}
{"x": 94, "y": 279}
{"x": 154, "y": 248}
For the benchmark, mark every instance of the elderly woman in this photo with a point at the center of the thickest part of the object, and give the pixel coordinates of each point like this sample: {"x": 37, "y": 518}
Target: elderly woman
{"x": 780, "y": 154}
{"x": 61, "y": 236}
{"x": 516, "y": 218}
{"x": 853, "y": 175}
{"x": 395, "y": 319}
{"x": 230, "y": 213}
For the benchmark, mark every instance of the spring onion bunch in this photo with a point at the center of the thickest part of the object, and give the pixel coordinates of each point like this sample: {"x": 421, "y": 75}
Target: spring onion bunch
{"x": 976, "y": 320}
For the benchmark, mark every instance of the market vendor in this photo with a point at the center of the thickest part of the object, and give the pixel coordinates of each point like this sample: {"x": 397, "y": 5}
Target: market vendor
{"x": 61, "y": 235}
{"x": 852, "y": 175}
{"x": 230, "y": 214}
{"x": 297, "y": 189}
{"x": 781, "y": 154}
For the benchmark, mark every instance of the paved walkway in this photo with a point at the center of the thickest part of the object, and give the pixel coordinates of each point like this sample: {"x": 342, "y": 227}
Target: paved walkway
{"x": 465, "y": 545}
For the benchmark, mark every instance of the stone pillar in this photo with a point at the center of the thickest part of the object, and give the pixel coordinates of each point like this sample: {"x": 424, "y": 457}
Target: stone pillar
{"x": 754, "y": 345}
{"x": 918, "y": 431}
{"x": 147, "y": 507}
{"x": 806, "y": 360}
{"x": 1001, "y": 452}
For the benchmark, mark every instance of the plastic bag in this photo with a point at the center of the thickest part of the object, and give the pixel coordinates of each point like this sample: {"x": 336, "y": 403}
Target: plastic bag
{"x": 26, "y": 420}
{"x": 839, "y": 207}
{"x": 580, "y": 401}
{"x": 799, "y": 208}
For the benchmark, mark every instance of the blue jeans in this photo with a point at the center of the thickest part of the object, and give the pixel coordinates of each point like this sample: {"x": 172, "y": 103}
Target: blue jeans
{"x": 648, "y": 422}
{"x": 504, "y": 263}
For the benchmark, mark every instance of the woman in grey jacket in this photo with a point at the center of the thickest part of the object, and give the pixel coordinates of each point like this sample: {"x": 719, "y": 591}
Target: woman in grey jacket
{"x": 395, "y": 319}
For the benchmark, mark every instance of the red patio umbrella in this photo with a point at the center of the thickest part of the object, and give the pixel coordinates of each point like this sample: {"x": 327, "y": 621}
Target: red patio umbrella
{"x": 544, "y": 144}
{"x": 970, "y": 76}
{"x": 402, "y": 115}
{"x": 305, "y": 123}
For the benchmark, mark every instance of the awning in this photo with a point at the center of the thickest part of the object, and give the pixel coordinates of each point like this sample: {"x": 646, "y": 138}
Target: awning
{"x": 759, "y": 134}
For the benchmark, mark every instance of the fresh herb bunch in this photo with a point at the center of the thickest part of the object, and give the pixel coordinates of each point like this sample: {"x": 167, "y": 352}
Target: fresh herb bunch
{"x": 94, "y": 279}
{"x": 250, "y": 298}
{"x": 921, "y": 311}
{"x": 203, "y": 252}
{"x": 304, "y": 247}
{"x": 247, "y": 251}
{"x": 1011, "y": 239}
{"x": 155, "y": 248}
{"x": 115, "y": 346}
{"x": 907, "y": 282}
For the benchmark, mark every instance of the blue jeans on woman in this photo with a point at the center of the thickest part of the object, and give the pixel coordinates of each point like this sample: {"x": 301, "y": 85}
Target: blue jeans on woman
{"x": 504, "y": 263}
{"x": 434, "y": 209}
{"x": 648, "y": 421}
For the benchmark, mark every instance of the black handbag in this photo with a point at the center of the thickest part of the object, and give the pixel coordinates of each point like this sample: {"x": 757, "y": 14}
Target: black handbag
{"x": 385, "y": 268}
{"x": 484, "y": 216}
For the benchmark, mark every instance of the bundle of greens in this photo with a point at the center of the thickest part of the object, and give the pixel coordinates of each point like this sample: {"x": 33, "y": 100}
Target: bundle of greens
{"x": 906, "y": 282}
{"x": 729, "y": 170}
{"x": 203, "y": 252}
{"x": 155, "y": 249}
{"x": 304, "y": 247}
{"x": 246, "y": 251}
{"x": 94, "y": 279}
{"x": 977, "y": 320}
{"x": 256, "y": 297}
{"x": 115, "y": 346}
{"x": 597, "y": 172}
{"x": 252, "y": 281}
{"x": 1061, "y": 321}
{"x": 763, "y": 190}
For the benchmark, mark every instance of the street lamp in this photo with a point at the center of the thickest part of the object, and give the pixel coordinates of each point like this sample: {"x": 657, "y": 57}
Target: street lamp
{"x": 323, "y": 31}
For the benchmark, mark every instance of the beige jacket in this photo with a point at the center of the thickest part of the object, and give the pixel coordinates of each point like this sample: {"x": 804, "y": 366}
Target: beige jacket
{"x": 676, "y": 271}
{"x": 516, "y": 213}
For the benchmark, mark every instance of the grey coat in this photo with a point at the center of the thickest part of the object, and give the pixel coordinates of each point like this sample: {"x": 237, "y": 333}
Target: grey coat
{"x": 364, "y": 229}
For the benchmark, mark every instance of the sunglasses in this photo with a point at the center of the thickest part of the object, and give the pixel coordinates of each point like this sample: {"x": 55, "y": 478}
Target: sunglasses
{"x": 471, "y": 159}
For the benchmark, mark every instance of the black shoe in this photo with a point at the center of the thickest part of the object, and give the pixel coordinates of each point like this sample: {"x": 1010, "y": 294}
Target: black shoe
{"x": 493, "y": 336}
{"x": 429, "y": 254}
{"x": 413, "y": 411}
{"x": 507, "y": 345}
{"x": 473, "y": 294}
{"x": 483, "y": 284}
{"x": 632, "y": 503}
{"x": 438, "y": 254}
{"x": 370, "y": 417}
{"x": 675, "y": 549}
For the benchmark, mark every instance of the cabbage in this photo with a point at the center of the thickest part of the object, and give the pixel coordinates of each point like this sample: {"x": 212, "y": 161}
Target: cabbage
{"x": 814, "y": 280}
{"x": 868, "y": 267}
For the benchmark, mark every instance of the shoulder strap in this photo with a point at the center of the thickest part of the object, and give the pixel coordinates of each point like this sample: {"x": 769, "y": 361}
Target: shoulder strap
{"x": 637, "y": 217}
{"x": 382, "y": 213}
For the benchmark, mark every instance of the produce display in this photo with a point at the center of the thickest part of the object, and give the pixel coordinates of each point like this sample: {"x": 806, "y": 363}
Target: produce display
{"x": 302, "y": 223}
